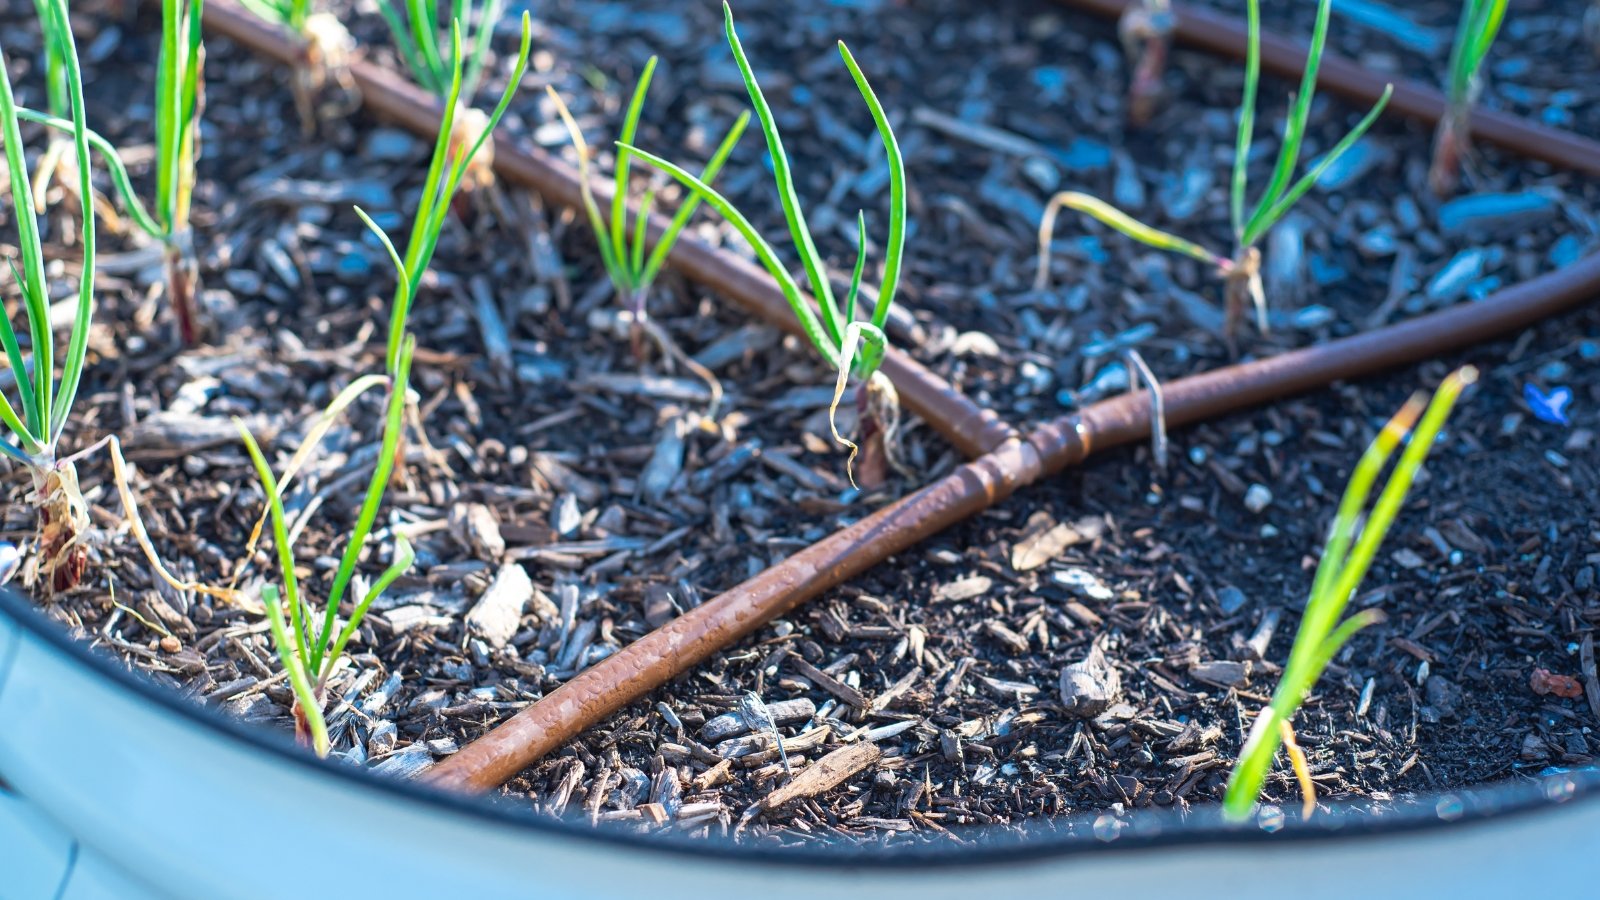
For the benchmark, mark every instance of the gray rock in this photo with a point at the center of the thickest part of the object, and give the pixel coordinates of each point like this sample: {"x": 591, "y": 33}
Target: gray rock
{"x": 1257, "y": 498}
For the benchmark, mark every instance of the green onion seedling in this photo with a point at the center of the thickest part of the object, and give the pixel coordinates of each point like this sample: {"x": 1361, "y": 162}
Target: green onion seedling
{"x": 44, "y": 399}
{"x": 452, "y": 158}
{"x": 1452, "y": 142}
{"x": 851, "y": 345}
{"x": 179, "y": 92}
{"x": 324, "y": 53}
{"x": 309, "y": 652}
{"x": 1145, "y": 30}
{"x": 622, "y": 249}
{"x": 309, "y": 656}
{"x": 1241, "y": 273}
{"x": 1345, "y": 560}
{"x": 414, "y": 26}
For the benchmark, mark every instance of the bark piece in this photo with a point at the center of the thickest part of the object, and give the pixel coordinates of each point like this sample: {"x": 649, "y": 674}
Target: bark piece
{"x": 1046, "y": 540}
{"x": 498, "y": 612}
{"x": 825, "y": 774}
{"x": 733, "y": 724}
{"x": 1088, "y": 688}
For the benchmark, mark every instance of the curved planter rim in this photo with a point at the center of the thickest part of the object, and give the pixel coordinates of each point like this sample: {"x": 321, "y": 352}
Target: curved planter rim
{"x": 1047, "y": 839}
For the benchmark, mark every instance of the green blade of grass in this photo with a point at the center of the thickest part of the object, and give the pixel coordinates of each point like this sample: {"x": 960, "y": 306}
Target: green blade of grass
{"x": 630, "y": 127}
{"x": 658, "y": 256}
{"x": 78, "y": 338}
{"x": 280, "y": 537}
{"x": 404, "y": 556}
{"x": 1247, "y": 120}
{"x": 894, "y": 249}
{"x": 36, "y": 304}
{"x": 768, "y": 257}
{"x": 782, "y": 174}
{"x": 1295, "y": 129}
{"x": 393, "y": 428}
{"x": 120, "y": 180}
{"x": 1120, "y": 221}
{"x": 309, "y": 707}
{"x": 1264, "y": 219}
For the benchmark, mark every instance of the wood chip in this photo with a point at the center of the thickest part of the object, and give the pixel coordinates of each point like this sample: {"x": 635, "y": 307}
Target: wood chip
{"x": 497, "y": 614}
{"x": 1089, "y": 687}
{"x": 733, "y": 724}
{"x": 825, "y": 774}
{"x": 1046, "y": 540}
{"x": 827, "y": 682}
{"x": 964, "y": 589}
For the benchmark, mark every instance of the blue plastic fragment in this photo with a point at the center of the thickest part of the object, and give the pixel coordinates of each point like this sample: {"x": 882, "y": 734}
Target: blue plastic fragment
{"x": 1551, "y": 407}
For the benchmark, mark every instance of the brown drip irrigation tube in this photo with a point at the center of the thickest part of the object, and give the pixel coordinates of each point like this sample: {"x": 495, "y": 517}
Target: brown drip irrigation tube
{"x": 658, "y": 657}
{"x": 968, "y": 427}
{"x": 1223, "y": 35}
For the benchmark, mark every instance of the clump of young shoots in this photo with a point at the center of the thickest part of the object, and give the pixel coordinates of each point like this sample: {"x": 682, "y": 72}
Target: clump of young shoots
{"x": 1345, "y": 560}
{"x": 622, "y": 248}
{"x": 851, "y": 345}
{"x": 1241, "y": 272}
{"x": 1146, "y": 33}
{"x": 179, "y": 93}
{"x": 324, "y": 55}
{"x": 44, "y": 399}
{"x": 1452, "y": 142}
{"x": 452, "y": 159}
{"x": 414, "y": 26}
{"x": 309, "y": 653}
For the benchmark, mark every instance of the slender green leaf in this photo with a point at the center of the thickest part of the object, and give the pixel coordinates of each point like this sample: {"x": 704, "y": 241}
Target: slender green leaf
{"x": 404, "y": 556}
{"x": 894, "y": 249}
{"x": 298, "y": 681}
{"x": 1247, "y": 118}
{"x": 36, "y": 303}
{"x": 120, "y": 180}
{"x": 658, "y": 256}
{"x": 1120, "y": 221}
{"x": 393, "y": 429}
{"x": 1340, "y": 573}
{"x": 783, "y": 175}
{"x": 1295, "y": 129}
{"x": 861, "y": 264}
{"x": 280, "y": 537}
{"x": 78, "y": 338}
{"x": 1259, "y": 226}
{"x": 630, "y": 127}
{"x": 610, "y": 252}
{"x": 768, "y": 257}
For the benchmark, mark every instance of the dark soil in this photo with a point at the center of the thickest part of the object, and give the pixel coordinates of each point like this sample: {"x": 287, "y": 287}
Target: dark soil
{"x": 1489, "y": 576}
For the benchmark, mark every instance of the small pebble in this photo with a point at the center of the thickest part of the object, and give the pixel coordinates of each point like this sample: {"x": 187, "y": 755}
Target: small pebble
{"x": 170, "y": 644}
{"x": 1257, "y": 498}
